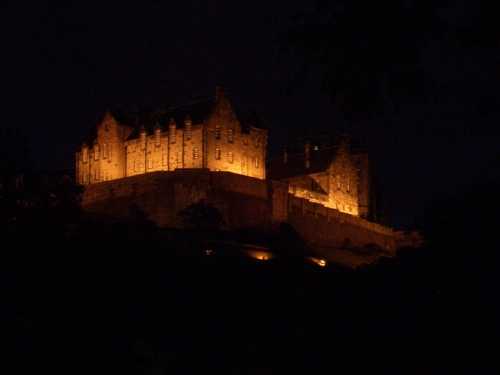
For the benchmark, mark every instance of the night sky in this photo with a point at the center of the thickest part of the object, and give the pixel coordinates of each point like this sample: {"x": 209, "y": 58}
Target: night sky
{"x": 63, "y": 65}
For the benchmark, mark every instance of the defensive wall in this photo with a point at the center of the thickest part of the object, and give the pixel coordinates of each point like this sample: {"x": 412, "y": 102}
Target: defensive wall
{"x": 329, "y": 227}
{"x": 243, "y": 201}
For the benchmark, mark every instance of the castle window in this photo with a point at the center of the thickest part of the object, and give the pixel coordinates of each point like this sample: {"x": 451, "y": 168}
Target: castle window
{"x": 348, "y": 186}
{"x": 338, "y": 182}
{"x": 195, "y": 153}
{"x": 109, "y": 152}
{"x": 217, "y": 154}
{"x": 179, "y": 157}
{"x": 96, "y": 152}
{"x": 104, "y": 151}
{"x": 143, "y": 141}
{"x": 359, "y": 188}
{"x": 106, "y": 127}
{"x": 217, "y": 132}
{"x": 157, "y": 137}
{"x": 256, "y": 142}
{"x": 230, "y": 157}
{"x": 256, "y": 162}
{"x": 97, "y": 174}
{"x": 245, "y": 142}
{"x": 85, "y": 156}
{"x": 85, "y": 178}
{"x": 172, "y": 133}
{"x": 230, "y": 135}
{"x": 164, "y": 159}
{"x": 188, "y": 130}
{"x": 136, "y": 166}
{"x": 150, "y": 163}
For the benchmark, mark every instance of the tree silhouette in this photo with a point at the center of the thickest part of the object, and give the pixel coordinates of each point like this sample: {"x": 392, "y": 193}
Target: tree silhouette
{"x": 202, "y": 216}
{"x": 368, "y": 52}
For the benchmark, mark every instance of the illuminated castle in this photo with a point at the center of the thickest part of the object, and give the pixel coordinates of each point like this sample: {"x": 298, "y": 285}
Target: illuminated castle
{"x": 161, "y": 162}
{"x": 207, "y": 134}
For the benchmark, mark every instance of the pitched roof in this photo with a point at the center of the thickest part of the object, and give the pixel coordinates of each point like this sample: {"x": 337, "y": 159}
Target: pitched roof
{"x": 319, "y": 161}
{"x": 197, "y": 112}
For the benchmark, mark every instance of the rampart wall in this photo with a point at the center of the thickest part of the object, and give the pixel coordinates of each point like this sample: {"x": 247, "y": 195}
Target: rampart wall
{"x": 243, "y": 201}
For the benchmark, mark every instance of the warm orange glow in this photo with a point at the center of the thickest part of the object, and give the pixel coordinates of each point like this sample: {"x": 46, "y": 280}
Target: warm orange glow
{"x": 261, "y": 255}
{"x": 319, "y": 262}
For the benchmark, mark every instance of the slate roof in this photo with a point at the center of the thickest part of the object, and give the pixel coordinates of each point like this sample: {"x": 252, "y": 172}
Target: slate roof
{"x": 319, "y": 161}
{"x": 197, "y": 111}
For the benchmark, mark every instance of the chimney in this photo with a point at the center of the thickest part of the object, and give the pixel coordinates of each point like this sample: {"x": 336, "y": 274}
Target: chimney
{"x": 285, "y": 155}
{"x": 308, "y": 153}
{"x": 345, "y": 140}
{"x": 220, "y": 92}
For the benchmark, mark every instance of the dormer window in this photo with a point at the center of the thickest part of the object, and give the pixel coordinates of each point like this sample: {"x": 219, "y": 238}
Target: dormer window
{"x": 188, "y": 130}
{"x": 85, "y": 155}
{"x": 157, "y": 138}
{"x": 143, "y": 140}
{"x": 172, "y": 133}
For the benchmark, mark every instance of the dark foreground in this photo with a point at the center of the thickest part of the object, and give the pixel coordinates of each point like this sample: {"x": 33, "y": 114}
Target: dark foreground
{"x": 135, "y": 300}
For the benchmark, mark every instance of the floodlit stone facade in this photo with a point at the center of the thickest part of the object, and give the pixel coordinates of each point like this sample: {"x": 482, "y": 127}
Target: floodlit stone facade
{"x": 337, "y": 177}
{"x": 207, "y": 134}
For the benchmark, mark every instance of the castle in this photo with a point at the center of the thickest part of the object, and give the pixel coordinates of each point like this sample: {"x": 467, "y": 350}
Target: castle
{"x": 163, "y": 161}
{"x": 206, "y": 134}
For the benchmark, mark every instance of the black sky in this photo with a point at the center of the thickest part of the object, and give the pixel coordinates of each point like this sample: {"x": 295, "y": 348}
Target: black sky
{"x": 64, "y": 64}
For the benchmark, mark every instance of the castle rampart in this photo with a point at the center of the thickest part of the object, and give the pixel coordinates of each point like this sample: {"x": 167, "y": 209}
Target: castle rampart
{"x": 244, "y": 202}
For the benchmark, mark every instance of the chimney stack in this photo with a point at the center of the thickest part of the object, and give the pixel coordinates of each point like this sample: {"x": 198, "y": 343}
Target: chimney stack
{"x": 308, "y": 153}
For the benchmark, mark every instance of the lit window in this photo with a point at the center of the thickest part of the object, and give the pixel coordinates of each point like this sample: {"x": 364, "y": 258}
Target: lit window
{"x": 172, "y": 133}
{"x": 217, "y": 154}
{"x": 109, "y": 152}
{"x": 136, "y": 166}
{"x": 85, "y": 155}
{"x": 157, "y": 137}
{"x": 85, "y": 177}
{"x": 195, "y": 153}
{"x": 188, "y": 130}
{"x": 150, "y": 163}
{"x": 104, "y": 151}
{"x": 164, "y": 160}
{"x": 217, "y": 132}
{"x": 143, "y": 141}
{"x": 96, "y": 152}
{"x": 179, "y": 157}
{"x": 230, "y": 135}
{"x": 97, "y": 174}
{"x": 230, "y": 157}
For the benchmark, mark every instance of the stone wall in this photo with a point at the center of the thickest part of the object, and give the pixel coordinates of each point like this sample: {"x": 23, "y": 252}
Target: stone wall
{"x": 243, "y": 201}
{"x": 329, "y": 227}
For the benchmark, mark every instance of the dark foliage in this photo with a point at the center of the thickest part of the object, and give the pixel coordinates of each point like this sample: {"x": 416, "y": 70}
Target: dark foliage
{"x": 124, "y": 298}
{"x": 367, "y": 52}
{"x": 203, "y": 217}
